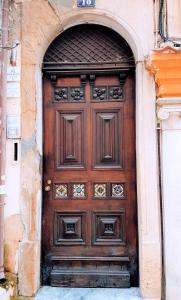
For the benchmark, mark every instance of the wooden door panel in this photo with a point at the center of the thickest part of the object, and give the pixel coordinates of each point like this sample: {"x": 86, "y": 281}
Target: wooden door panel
{"x": 108, "y": 228}
{"x": 89, "y": 209}
{"x": 69, "y": 142}
{"x": 69, "y": 228}
{"x": 107, "y": 139}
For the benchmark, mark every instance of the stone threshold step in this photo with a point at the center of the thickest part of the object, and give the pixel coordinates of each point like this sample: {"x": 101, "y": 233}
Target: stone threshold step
{"x": 53, "y": 293}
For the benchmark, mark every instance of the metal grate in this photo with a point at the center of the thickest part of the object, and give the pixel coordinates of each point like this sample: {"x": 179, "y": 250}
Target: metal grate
{"x": 88, "y": 44}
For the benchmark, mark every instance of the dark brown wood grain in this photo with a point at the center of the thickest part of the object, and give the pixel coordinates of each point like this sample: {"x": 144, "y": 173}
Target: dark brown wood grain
{"x": 89, "y": 206}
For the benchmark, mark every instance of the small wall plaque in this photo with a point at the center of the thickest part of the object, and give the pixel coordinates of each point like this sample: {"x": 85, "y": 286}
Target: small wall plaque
{"x": 13, "y": 127}
{"x": 86, "y": 3}
{"x": 2, "y": 190}
{"x": 13, "y": 74}
{"x": 13, "y": 90}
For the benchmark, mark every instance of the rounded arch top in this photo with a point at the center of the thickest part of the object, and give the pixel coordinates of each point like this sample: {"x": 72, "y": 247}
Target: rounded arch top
{"x": 104, "y": 18}
{"x": 89, "y": 44}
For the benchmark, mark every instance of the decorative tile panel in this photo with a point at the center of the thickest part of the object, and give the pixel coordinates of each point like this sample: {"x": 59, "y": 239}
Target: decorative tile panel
{"x": 118, "y": 190}
{"x": 61, "y": 190}
{"x": 79, "y": 190}
{"x": 100, "y": 190}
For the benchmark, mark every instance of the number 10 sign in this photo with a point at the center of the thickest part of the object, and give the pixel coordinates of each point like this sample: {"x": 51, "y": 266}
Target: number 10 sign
{"x": 85, "y": 3}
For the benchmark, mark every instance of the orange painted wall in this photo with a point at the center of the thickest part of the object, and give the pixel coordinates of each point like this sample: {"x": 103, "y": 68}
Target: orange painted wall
{"x": 166, "y": 67}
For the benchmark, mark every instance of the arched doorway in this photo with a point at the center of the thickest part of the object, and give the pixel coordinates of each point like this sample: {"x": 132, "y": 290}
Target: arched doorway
{"x": 89, "y": 208}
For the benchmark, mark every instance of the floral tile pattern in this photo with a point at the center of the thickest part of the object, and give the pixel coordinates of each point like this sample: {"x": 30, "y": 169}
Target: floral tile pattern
{"x": 118, "y": 190}
{"x": 61, "y": 190}
{"x": 100, "y": 190}
{"x": 79, "y": 190}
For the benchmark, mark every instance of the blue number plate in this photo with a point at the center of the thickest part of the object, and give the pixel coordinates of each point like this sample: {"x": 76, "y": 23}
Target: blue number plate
{"x": 85, "y": 3}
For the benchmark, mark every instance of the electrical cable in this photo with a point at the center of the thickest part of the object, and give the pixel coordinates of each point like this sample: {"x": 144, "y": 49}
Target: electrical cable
{"x": 9, "y": 47}
{"x": 161, "y": 22}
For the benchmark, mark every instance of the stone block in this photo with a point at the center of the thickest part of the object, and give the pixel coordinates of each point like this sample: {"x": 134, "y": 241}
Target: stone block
{"x": 29, "y": 269}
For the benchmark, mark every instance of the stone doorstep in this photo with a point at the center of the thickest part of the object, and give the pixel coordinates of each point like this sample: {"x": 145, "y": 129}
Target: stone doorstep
{"x": 23, "y": 298}
{"x": 53, "y": 293}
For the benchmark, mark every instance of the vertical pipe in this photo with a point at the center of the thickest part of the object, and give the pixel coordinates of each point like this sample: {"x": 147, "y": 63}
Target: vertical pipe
{"x": 3, "y": 69}
{"x": 156, "y": 30}
{"x": 159, "y": 140}
{"x": 163, "y": 21}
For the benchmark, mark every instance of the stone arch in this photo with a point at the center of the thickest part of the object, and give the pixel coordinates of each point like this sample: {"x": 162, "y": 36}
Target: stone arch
{"x": 74, "y": 44}
{"x": 98, "y": 17}
{"x": 31, "y": 178}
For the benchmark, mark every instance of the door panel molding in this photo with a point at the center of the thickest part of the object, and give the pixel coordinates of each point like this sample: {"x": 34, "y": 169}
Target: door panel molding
{"x": 70, "y": 139}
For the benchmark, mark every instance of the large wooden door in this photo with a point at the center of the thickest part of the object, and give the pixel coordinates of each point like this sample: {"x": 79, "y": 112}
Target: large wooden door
{"x": 89, "y": 208}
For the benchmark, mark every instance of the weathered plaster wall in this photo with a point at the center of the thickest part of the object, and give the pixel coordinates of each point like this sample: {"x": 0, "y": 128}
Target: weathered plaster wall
{"x": 13, "y": 224}
{"x": 41, "y": 22}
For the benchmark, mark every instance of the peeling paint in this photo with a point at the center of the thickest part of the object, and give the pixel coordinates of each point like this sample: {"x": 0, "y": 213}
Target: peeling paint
{"x": 31, "y": 145}
{"x": 13, "y": 235}
{"x": 28, "y": 145}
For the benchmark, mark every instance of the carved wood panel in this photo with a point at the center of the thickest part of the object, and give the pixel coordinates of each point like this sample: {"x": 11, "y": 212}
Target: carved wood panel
{"x": 69, "y": 94}
{"x": 109, "y": 228}
{"x": 107, "y": 93}
{"x": 69, "y": 228}
{"x": 108, "y": 139}
{"x": 69, "y": 139}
